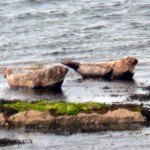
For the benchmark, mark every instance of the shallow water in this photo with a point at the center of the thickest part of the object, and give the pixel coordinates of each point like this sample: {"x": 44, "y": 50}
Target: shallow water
{"x": 108, "y": 140}
{"x": 43, "y": 32}
{"x": 48, "y": 31}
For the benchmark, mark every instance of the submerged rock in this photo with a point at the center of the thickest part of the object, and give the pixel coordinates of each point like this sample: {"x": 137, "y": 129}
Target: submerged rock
{"x": 9, "y": 142}
{"x": 140, "y": 97}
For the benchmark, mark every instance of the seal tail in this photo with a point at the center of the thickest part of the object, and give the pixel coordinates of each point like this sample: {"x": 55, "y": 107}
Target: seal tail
{"x": 71, "y": 64}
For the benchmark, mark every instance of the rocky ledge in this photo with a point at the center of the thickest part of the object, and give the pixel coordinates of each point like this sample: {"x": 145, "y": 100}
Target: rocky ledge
{"x": 69, "y": 118}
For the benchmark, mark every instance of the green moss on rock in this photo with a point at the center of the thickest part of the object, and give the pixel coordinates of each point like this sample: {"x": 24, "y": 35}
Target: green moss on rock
{"x": 59, "y": 108}
{"x": 66, "y": 108}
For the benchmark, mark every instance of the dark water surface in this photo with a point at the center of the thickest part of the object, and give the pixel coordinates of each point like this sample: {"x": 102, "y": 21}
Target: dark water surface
{"x": 37, "y": 33}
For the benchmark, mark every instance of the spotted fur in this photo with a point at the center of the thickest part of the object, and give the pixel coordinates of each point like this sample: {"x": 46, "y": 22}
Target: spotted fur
{"x": 119, "y": 69}
{"x": 51, "y": 77}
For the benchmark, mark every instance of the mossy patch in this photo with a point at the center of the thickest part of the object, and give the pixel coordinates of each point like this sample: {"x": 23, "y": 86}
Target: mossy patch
{"x": 66, "y": 108}
{"x": 59, "y": 108}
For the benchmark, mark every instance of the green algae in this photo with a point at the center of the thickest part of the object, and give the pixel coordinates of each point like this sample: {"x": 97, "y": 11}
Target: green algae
{"x": 67, "y": 108}
{"x": 137, "y": 109}
{"x": 60, "y": 108}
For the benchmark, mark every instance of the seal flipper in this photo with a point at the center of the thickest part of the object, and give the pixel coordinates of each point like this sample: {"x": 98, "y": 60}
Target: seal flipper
{"x": 108, "y": 74}
{"x": 71, "y": 64}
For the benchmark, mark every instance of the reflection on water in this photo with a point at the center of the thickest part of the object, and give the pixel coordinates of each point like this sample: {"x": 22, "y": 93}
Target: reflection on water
{"x": 77, "y": 90}
{"x": 36, "y": 94}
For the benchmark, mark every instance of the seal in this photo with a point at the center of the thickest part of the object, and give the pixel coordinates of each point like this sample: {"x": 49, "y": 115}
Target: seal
{"x": 52, "y": 77}
{"x": 118, "y": 69}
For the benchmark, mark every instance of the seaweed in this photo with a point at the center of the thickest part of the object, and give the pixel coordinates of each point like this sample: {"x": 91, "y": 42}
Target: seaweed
{"x": 58, "y": 108}
{"x": 65, "y": 108}
{"x": 140, "y": 97}
{"x": 9, "y": 142}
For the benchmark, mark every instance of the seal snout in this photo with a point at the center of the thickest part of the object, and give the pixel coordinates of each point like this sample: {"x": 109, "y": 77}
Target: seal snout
{"x": 131, "y": 60}
{"x": 66, "y": 62}
{"x": 135, "y": 61}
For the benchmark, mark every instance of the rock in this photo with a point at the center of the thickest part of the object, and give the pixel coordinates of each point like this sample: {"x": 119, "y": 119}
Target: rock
{"x": 120, "y": 119}
{"x": 2, "y": 119}
{"x": 30, "y": 117}
{"x": 124, "y": 114}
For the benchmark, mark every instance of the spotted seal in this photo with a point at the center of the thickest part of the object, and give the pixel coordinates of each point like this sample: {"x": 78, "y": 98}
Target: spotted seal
{"x": 52, "y": 77}
{"x": 118, "y": 69}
